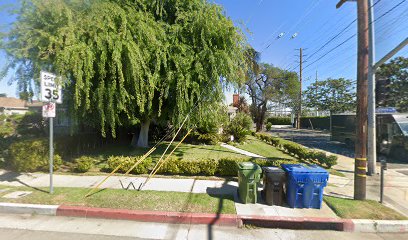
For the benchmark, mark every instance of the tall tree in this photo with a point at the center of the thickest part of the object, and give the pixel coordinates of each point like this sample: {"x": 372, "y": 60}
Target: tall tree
{"x": 269, "y": 83}
{"x": 334, "y": 95}
{"x": 394, "y": 93}
{"x": 128, "y": 61}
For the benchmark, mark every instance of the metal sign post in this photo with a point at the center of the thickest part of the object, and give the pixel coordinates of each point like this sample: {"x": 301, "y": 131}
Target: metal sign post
{"x": 48, "y": 111}
{"x": 51, "y": 94}
{"x": 51, "y": 153}
{"x": 383, "y": 167}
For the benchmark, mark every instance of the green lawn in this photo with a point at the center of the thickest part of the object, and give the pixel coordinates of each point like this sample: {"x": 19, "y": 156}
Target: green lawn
{"x": 355, "y": 209}
{"x": 259, "y": 147}
{"x": 128, "y": 199}
{"x": 185, "y": 151}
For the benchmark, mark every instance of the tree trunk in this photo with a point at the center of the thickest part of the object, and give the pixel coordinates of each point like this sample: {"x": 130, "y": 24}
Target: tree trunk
{"x": 143, "y": 139}
{"x": 258, "y": 126}
{"x": 261, "y": 118}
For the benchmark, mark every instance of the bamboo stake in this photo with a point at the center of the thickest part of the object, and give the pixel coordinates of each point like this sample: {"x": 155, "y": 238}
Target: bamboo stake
{"x": 116, "y": 169}
{"x": 168, "y": 156}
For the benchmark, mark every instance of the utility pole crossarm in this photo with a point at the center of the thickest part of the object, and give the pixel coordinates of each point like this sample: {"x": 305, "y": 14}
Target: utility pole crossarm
{"x": 392, "y": 53}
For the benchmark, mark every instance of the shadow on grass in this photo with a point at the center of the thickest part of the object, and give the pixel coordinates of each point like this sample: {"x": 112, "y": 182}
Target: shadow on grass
{"x": 14, "y": 177}
{"x": 222, "y": 193}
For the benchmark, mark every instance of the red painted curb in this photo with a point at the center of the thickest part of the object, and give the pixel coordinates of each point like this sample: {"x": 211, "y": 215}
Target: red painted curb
{"x": 209, "y": 219}
{"x": 149, "y": 216}
{"x": 306, "y": 223}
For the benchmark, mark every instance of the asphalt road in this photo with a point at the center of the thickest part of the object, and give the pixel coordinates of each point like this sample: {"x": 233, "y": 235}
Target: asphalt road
{"x": 25, "y": 227}
{"x": 11, "y": 234}
{"x": 321, "y": 140}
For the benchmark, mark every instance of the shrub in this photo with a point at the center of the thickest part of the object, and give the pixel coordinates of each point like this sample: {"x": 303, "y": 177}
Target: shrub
{"x": 228, "y": 166}
{"x": 298, "y": 150}
{"x": 189, "y": 167}
{"x": 331, "y": 161}
{"x": 205, "y": 138}
{"x": 174, "y": 165}
{"x": 240, "y": 126}
{"x": 211, "y": 167}
{"x": 32, "y": 155}
{"x": 83, "y": 164}
{"x": 6, "y": 129}
{"x": 127, "y": 162}
{"x": 268, "y": 126}
{"x": 318, "y": 156}
{"x": 170, "y": 166}
{"x": 208, "y": 167}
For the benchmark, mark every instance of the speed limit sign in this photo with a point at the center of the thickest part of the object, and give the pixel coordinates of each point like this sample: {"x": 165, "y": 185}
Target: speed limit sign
{"x": 50, "y": 88}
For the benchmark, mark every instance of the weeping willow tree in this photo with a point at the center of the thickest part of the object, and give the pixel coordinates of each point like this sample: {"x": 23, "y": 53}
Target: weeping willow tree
{"x": 128, "y": 61}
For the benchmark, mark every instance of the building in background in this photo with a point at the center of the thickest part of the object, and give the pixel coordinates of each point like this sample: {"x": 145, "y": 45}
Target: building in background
{"x": 10, "y": 106}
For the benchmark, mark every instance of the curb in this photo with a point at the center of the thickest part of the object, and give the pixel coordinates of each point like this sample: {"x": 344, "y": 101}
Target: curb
{"x": 149, "y": 216}
{"x": 380, "y": 226}
{"x": 305, "y": 223}
{"x": 20, "y": 208}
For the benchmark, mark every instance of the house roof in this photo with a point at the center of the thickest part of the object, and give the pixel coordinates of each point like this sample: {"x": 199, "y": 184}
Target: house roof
{"x": 34, "y": 104}
{"x": 9, "y": 102}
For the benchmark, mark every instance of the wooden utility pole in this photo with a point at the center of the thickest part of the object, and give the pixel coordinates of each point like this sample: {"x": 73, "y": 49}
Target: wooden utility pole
{"x": 360, "y": 169}
{"x": 300, "y": 90}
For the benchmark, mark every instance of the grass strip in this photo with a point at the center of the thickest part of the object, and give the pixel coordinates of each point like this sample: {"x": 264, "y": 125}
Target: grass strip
{"x": 262, "y": 148}
{"x": 127, "y": 199}
{"x": 356, "y": 209}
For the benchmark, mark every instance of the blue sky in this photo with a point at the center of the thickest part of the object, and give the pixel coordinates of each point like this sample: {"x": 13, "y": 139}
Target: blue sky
{"x": 315, "y": 22}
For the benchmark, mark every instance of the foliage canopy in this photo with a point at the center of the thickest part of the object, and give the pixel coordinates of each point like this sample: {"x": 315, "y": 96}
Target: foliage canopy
{"x": 395, "y": 92}
{"x": 334, "y": 95}
{"x": 127, "y": 61}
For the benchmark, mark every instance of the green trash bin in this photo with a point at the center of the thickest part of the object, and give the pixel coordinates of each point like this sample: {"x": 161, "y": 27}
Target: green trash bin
{"x": 248, "y": 177}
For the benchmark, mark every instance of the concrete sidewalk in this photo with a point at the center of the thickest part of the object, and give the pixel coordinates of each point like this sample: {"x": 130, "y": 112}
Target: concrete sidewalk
{"x": 395, "y": 185}
{"x": 164, "y": 184}
{"x": 243, "y": 152}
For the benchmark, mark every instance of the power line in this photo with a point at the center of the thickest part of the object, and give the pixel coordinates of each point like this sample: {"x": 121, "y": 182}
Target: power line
{"x": 306, "y": 13}
{"x": 354, "y": 35}
{"x": 338, "y": 34}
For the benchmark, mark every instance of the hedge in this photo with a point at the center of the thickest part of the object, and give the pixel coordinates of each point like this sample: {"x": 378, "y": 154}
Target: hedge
{"x": 279, "y": 120}
{"x": 203, "y": 167}
{"x": 83, "y": 164}
{"x": 299, "y": 151}
{"x": 31, "y": 155}
{"x": 127, "y": 162}
{"x": 211, "y": 167}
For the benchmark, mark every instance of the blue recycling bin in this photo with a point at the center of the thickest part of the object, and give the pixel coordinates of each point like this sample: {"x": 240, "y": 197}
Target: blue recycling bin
{"x": 305, "y": 185}
{"x": 313, "y": 190}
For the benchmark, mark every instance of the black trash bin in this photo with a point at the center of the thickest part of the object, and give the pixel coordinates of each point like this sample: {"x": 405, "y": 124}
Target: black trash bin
{"x": 274, "y": 179}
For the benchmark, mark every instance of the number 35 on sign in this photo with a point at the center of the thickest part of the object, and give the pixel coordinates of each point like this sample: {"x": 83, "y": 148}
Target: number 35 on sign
{"x": 50, "y": 88}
